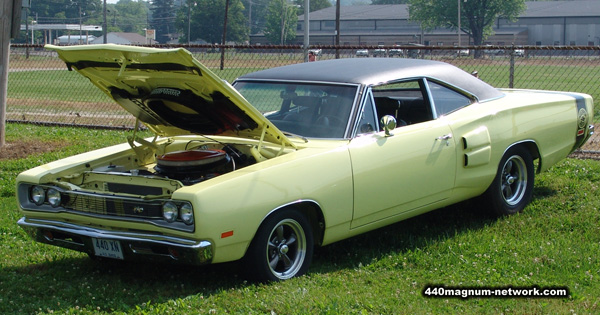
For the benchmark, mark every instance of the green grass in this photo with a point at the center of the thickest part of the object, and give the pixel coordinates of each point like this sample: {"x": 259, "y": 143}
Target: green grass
{"x": 554, "y": 242}
{"x": 53, "y": 85}
{"x": 66, "y": 85}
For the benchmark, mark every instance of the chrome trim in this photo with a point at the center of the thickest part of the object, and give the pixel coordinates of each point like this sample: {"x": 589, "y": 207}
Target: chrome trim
{"x": 289, "y": 204}
{"x": 365, "y": 95}
{"x": 425, "y": 86}
{"x": 26, "y": 204}
{"x": 134, "y": 244}
{"x": 355, "y": 113}
{"x": 537, "y": 154}
{"x": 457, "y": 89}
{"x": 519, "y": 142}
{"x": 295, "y": 81}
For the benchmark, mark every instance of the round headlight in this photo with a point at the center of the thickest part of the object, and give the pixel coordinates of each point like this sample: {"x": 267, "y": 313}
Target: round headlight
{"x": 38, "y": 195}
{"x": 169, "y": 211}
{"x": 53, "y": 197}
{"x": 186, "y": 213}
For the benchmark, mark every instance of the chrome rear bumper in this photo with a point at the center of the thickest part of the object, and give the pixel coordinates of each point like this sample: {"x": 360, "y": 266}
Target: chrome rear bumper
{"x": 135, "y": 245}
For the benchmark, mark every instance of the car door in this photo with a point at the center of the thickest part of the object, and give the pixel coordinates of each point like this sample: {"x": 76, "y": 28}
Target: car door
{"x": 412, "y": 168}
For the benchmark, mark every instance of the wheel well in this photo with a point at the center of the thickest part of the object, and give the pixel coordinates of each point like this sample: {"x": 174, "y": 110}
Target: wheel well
{"x": 313, "y": 213}
{"x": 315, "y": 217}
{"x": 532, "y": 148}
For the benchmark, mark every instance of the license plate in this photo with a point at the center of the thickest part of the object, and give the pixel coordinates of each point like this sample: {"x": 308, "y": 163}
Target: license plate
{"x": 107, "y": 248}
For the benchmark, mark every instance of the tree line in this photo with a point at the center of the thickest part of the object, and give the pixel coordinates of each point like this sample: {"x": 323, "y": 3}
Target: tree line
{"x": 202, "y": 20}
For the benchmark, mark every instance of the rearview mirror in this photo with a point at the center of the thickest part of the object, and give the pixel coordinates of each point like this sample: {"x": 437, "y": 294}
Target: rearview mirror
{"x": 388, "y": 122}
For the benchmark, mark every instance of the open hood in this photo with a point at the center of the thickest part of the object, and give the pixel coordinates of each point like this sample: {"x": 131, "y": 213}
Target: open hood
{"x": 169, "y": 91}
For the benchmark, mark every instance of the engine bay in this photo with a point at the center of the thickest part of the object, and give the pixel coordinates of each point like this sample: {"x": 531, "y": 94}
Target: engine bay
{"x": 157, "y": 169}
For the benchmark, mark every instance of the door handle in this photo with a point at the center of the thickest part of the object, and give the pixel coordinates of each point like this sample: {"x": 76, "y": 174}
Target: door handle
{"x": 444, "y": 137}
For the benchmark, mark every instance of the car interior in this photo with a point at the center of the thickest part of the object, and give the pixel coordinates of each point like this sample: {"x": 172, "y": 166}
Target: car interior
{"x": 404, "y": 101}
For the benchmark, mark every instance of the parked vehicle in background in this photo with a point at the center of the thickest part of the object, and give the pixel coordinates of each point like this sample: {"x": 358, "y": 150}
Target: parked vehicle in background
{"x": 519, "y": 52}
{"x": 380, "y": 52}
{"x": 362, "y": 53}
{"x": 493, "y": 51}
{"x": 462, "y": 52}
{"x": 396, "y": 51}
{"x": 414, "y": 53}
{"x": 316, "y": 52}
{"x": 288, "y": 158}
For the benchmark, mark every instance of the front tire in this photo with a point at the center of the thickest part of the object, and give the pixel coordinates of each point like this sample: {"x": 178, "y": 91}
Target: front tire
{"x": 512, "y": 187}
{"x": 282, "y": 248}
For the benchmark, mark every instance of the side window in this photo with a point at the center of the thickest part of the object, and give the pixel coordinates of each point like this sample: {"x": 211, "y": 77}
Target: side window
{"x": 367, "y": 122}
{"x": 404, "y": 100}
{"x": 445, "y": 99}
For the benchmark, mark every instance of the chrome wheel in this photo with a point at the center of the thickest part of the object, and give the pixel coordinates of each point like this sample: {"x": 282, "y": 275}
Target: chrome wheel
{"x": 514, "y": 180}
{"x": 512, "y": 188}
{"x": 282, "y": 247}
{"x": 286, "y": 249}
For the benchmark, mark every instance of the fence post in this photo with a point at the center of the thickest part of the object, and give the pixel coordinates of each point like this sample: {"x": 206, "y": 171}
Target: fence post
{"x": 511, "y": 76}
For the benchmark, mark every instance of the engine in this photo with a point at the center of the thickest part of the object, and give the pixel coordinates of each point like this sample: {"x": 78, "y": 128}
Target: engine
{"x": 189, "y": 166}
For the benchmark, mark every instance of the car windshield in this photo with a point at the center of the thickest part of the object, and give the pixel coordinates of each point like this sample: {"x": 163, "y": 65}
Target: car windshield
{"x": 308, "y": 110}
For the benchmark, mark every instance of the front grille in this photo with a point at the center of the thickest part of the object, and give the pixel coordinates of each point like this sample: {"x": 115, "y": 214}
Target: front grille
{"x": 106, "y": 205}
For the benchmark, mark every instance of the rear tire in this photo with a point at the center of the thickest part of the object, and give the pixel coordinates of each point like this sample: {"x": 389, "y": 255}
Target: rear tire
{"x": 512, "y": 187}
{"x": 282, "y": 248}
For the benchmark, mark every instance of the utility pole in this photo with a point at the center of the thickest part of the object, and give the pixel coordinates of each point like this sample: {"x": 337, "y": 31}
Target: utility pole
{"x": 458, "y": 23}
{"x": 10, "y": 26}
{"x": 104, "y": 30}
{"x": 224, "y": 35}
{"x": 189, "y": 7}
{"x": 337, "y": 29}
{"x": 306, "y": 28}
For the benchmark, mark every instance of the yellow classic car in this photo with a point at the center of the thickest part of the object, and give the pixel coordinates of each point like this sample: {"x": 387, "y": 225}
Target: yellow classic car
{"x": 288, "y": 158}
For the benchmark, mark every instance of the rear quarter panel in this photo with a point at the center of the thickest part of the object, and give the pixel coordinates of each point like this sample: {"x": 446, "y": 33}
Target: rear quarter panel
{"x": 486, "y": 130}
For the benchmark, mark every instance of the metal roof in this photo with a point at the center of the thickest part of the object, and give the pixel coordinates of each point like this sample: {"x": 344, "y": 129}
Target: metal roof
{"x": 583, "y": 8}
{"x": 562, "y": 9}
{"x": 362, "y": 12}
{"x": 374, "y": 71}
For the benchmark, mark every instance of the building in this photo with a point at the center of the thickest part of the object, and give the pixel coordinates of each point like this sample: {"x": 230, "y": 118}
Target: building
{"x": 79, "y": 33}
{"x": 75, "y": 39}
{"x": 123, "y": 39}
{"x": 542, "y": 23}
{"x": 569, "y": 23}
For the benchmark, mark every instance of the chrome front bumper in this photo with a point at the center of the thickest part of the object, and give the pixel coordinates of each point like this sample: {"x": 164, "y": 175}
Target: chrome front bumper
{"x": 135, "y": 245}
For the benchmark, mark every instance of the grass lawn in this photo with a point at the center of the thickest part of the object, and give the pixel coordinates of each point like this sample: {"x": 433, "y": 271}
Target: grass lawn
{"x": 555, "y": 242}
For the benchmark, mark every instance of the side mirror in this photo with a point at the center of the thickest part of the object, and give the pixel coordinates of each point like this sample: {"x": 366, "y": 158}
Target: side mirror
{"x": 388, "y": 122}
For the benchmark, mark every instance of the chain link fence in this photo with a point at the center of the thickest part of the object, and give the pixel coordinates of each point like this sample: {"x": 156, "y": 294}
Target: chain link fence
{"x": 41, "y": 90}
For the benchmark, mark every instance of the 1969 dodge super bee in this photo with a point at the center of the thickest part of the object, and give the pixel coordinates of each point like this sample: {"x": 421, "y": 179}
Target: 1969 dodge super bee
{"x": 289, "y": 158}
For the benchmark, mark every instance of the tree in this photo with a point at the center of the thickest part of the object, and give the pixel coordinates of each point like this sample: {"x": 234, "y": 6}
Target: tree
{"x": 477, "y": 16}
{"x": 255, "y": 12}
{"x": 65, "y": 11}
{"x": 281, "y": 22}
{"x": 206, "y": 18}
{"x": 128, "y": 16}
{"x": 163, "y": 19}
{"x": 315, "y": 5}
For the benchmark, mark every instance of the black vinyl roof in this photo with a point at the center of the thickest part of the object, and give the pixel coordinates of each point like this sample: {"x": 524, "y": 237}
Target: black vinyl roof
{"x": 375, "y": 71}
